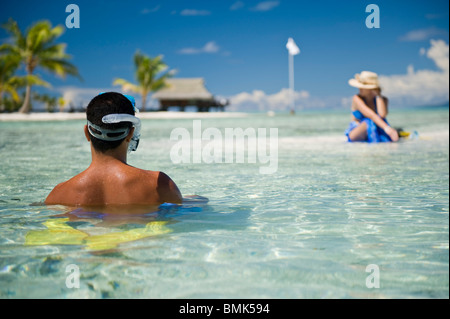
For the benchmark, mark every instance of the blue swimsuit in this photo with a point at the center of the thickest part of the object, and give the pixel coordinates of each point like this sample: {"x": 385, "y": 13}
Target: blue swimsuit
{"x": 374, "y": 133}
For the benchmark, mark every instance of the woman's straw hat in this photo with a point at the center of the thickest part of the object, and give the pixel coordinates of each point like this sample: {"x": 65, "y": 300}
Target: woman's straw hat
{"x": 365, "y": 80}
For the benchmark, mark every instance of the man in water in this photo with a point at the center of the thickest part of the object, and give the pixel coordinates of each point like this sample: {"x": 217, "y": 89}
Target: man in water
{"x": 112, "y": 129}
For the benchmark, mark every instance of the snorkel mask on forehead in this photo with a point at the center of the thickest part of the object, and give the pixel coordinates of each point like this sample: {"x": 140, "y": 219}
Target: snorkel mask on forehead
{"x": 120, "y": 133}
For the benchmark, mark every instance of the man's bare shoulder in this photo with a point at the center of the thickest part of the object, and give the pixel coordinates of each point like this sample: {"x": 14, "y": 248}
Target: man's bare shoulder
{"x": 160, "y": 179}
{"x": 58, "y": 194}
{"x": 154, "y": 183}
{"x": 62, "y": 192}
{"x": 155, "y": 175}
{"x": 140, "y": 176}
{"x": 167, "y": 189}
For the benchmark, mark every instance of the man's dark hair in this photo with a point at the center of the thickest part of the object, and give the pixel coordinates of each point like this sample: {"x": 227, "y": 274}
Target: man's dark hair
{"x": 104, "y": 104}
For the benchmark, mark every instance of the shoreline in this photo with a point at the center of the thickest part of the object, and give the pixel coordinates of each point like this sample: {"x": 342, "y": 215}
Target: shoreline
{"x": 66, "y": 116}
{"x": 63, "y": 116}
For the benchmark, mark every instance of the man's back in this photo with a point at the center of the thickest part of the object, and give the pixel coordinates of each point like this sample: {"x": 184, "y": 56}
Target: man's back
{"x": 115, "y": 183}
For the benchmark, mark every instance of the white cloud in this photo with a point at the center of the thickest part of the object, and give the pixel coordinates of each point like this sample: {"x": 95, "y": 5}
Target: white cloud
{"x": 237, "y": 5}
{"x": 434, "y": 16}
{"x": 192, "y": 12}
{"x": 423, "y": 34}
{"x": 210, "y": 47}
{"x": 266, "y": 6}
{"x": 260, "y": 101}
{"x": 439, "y": 53}
{"x": 421, "y": 86}
{"x": 147, "y": 11}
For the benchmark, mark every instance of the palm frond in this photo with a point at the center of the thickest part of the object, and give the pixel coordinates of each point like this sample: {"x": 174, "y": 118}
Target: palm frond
{"x": 59, "y": 66}
{"x": 11, "y": 90}
{"x": 13, "y": 29}
{"x": 30, "y": 79}
{"x": 127, "y": 86}
{"x": 149, "y": 75}
{"x": 9, "y": 63}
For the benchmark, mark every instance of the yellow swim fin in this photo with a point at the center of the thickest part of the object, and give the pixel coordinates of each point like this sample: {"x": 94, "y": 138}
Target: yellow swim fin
{"x": 58, "y": 233}
{"x": 111, "y": 240}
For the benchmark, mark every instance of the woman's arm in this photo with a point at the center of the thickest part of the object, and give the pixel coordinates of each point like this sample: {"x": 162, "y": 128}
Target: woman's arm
{"x": 369, "y": 113}
{"x": 382, "y": 106}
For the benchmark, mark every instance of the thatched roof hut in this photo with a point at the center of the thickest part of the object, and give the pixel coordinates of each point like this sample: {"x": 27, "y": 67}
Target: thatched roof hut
{"x": 187, "y": 92}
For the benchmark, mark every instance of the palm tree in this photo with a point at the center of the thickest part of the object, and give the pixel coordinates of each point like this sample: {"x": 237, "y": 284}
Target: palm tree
{"x": 37, "y": 48}
{"x": 148, "y": 76}
{"x": 8, "y": 65}
{"x": 9, "y": 83}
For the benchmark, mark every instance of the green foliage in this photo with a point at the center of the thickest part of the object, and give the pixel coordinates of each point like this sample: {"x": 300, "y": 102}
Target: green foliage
{"x": 36, "y": 47}
{"x": 150, "y": 73}
{"x": 50, "y": 102}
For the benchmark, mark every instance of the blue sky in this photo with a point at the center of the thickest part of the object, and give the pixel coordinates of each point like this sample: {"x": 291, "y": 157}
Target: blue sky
{"x": 238, "y": 47}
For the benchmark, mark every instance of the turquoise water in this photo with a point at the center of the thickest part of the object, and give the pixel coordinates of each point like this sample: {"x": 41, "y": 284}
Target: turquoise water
{"x": 307, "y": 231}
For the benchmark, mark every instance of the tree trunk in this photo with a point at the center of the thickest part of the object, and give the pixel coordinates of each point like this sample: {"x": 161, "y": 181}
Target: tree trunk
{"x": 144, "y": 101}
{"x": 2, "y": 107}
{"x": 26, "y": 106}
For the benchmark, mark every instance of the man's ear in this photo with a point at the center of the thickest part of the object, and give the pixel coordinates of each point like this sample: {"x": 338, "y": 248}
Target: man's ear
{"x": 86, "y": 133}
{"x": 130, "y": 135}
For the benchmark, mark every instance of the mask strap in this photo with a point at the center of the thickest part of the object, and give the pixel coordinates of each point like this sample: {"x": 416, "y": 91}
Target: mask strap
{"x": 104, "y": 134}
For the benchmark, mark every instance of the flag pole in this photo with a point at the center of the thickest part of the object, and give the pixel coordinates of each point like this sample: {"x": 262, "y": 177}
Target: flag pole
{"x": 293, "y": 50}
{"x": 291, "y": 82}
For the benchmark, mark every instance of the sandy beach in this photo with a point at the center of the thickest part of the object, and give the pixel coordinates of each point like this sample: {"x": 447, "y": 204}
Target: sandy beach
{"x": 64, "y": 116}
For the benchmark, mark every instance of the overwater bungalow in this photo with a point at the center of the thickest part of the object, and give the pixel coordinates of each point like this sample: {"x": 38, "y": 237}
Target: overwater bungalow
{"x": 184, "y": 92}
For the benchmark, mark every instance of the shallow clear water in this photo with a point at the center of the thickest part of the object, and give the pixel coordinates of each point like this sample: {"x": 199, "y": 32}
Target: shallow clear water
{"x": 307, "y": 231}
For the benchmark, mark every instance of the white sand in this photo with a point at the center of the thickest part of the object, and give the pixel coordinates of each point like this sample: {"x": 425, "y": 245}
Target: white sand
{"x": 62, "y": 116}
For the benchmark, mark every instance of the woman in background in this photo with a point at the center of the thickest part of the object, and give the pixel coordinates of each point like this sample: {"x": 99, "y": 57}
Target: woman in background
{"x": 369, "y": 112}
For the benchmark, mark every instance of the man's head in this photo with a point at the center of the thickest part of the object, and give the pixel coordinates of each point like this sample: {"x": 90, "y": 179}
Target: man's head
{"x": 102, "y": 105}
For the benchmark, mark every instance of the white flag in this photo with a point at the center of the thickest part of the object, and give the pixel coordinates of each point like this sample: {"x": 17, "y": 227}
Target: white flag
{"x": 292, "y": 47}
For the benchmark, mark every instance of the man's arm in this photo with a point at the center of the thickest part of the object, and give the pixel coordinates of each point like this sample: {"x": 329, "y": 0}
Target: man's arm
{"x": 54, "y": 198}
{"x": 167, "y": 189}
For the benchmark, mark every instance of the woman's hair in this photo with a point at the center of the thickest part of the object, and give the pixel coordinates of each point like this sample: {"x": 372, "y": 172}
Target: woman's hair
{"x": 104, "y": 104}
